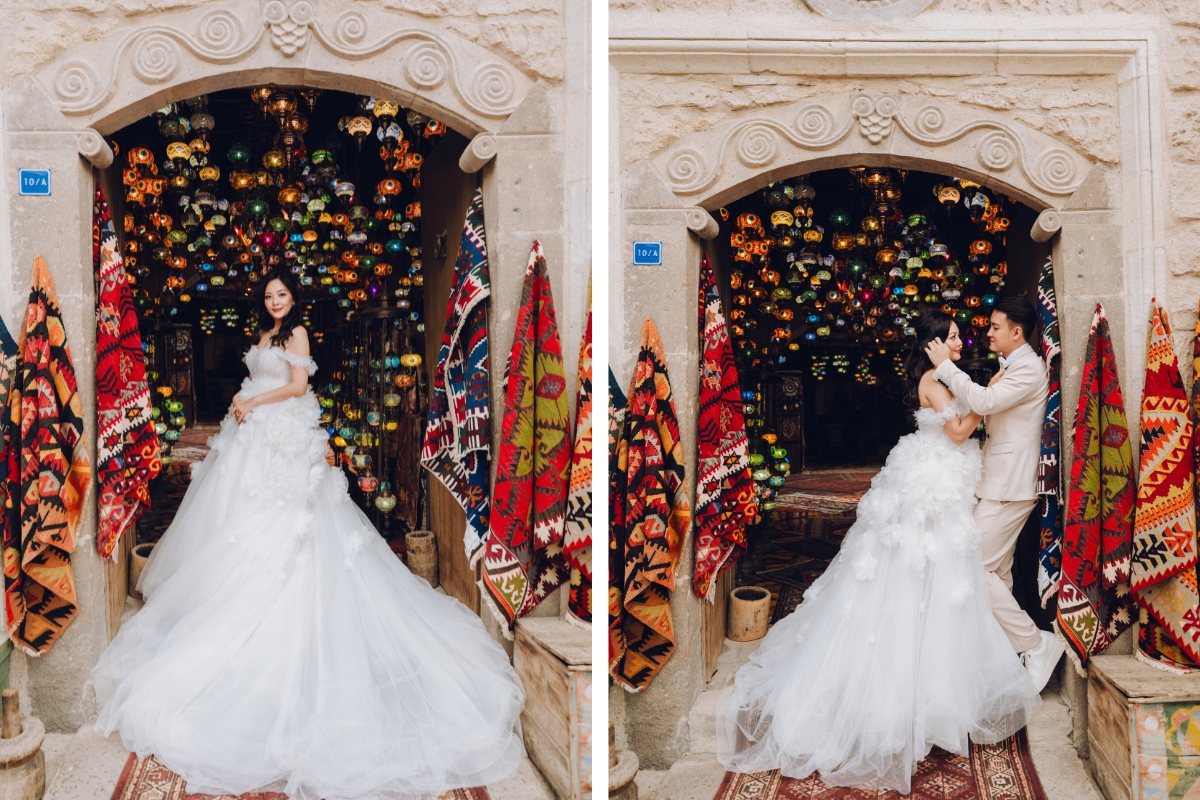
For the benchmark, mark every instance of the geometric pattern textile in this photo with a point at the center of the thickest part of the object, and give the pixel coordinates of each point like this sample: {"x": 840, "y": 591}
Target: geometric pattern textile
{"x": 458, "y": 439}
{"x": 1048, "y": 484}
{"x": 147, "y": 779}
{"x": 656, "y": 516}
{"x": 725, "y": 498}
{"x": 127, "y": 453}
{"x": 1002, "y": 771}
{"x": 1163, "y": 573}
{"x": 524, "y": 562}
{"x": 47, "y": 475}
{"x": 577, "y": 540}
{"x": 618, "y": 453}
{"x": 1094, "y": 604}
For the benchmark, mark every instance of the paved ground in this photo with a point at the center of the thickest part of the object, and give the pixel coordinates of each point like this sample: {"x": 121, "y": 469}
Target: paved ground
{"x": 1063, "y": 775}
{"x": 85, "y": 766}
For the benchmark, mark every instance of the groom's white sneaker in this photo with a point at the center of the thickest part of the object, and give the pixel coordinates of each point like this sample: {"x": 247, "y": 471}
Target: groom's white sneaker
{"x": 1040, "y": 661}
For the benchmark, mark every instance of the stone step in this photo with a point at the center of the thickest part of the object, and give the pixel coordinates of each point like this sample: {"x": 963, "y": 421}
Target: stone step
{"x": 702, "y": 719}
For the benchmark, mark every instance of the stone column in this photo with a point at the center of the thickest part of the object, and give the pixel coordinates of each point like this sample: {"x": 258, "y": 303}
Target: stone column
{"x": 657, "y": 718}
{"x": 59, "y": 229}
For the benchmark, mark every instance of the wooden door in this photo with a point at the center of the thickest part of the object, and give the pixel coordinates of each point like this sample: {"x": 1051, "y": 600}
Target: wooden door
{"x": 714, "y": 621}
{"x": 446, "y": 193}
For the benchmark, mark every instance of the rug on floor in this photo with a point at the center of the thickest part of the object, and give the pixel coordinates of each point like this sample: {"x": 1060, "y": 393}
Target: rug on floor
{"x": 148, "y": 779}
{"x": 1001, "y": 771}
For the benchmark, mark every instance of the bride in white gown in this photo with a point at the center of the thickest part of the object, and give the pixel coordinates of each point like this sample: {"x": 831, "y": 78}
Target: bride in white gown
{"x": 283, "y": 645}
{"x": 894, "y": 649}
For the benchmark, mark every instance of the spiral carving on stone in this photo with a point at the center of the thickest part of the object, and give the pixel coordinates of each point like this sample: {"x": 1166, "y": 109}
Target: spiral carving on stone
{"x": 815, "y": 124}
{"x": 492, "y": 88}
{"x": 996, "y": 150}
{"x": 1055, "y": 170}
{"x": 425, "y": 65}
{"x": 155, "y": 57}
{"x": 757, "y": 145}
{"x": 77, "y": 84}
{"x": 688, "y": 170}
{"x": 350, "y": 28}
{"x": 929, "y": 120}
{"x": 484, "y": 147}
{"x": 220, "y": 32}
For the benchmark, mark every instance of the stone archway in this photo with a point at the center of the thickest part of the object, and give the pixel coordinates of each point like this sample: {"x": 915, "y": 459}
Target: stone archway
{"x": 670, "y": 197}
{"x": 54, "y": 116}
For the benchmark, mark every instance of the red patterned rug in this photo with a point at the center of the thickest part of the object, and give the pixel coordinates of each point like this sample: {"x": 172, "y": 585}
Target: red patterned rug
{"x": 992, "y": 772}
{"x": 148, "y": 779}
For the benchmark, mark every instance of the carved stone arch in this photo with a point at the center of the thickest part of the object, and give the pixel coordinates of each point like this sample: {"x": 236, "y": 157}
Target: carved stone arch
{"x": 735, "y": 157}
{"x": 129, "y": 72}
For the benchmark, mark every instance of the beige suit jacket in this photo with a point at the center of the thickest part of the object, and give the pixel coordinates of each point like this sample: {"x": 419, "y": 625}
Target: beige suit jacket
{"x": 1014, "y": 410}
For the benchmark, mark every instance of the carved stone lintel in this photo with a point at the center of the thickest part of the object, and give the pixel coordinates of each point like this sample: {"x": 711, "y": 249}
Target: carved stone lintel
{"x": 82, "y": 83}
{"x": 981, "y": 141}
{"x": 480, "y": 151}
{"x": 1048, "y": 223}
{"x": 702, "y": 223}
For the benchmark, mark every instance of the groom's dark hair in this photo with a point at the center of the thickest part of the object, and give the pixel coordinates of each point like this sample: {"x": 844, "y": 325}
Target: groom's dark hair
{"x": 1020, "y": 312}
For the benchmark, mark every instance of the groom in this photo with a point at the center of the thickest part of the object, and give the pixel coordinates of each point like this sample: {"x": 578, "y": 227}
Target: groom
{"x": 1013, "y": 406}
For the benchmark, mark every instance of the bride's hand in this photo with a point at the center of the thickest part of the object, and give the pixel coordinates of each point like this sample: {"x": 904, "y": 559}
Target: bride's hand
{"x": 241, "y": 408}
{"x": 996, "y": 377}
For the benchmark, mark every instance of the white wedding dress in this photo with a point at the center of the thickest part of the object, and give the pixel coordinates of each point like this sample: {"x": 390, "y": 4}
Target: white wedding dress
{"x": 894, "y": 649}
{"x": 284, "y": 646}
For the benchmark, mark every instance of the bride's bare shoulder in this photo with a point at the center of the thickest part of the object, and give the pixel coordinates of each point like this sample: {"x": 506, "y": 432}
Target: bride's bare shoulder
{"x": 933, "y": 394}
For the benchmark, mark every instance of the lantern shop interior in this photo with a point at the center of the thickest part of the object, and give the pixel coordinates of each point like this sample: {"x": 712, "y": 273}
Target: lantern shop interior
{"x": 823, "y": 277}
{"x": 210, "y": 193}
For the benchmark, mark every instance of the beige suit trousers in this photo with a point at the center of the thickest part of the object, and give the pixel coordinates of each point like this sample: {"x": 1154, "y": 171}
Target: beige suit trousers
{"x": 1000, "y": 522}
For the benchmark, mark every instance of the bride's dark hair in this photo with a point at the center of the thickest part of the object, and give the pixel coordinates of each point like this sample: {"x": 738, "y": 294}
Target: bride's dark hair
{"x": 292, "y": 319}
{"x": 930, "y": 325}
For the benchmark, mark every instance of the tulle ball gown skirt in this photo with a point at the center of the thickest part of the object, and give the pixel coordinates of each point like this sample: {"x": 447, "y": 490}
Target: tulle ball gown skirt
{"x": 894, "y": 649}
{"x": 284, "y": 646}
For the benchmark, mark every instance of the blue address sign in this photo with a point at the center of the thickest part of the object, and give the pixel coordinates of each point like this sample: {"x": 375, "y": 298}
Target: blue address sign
{"x": 647, "y": 254}
{"x": 34, "y": 182}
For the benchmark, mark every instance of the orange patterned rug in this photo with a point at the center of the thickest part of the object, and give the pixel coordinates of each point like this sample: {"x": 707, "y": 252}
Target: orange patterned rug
{"x": 1001, "y": 771}
{"x": 148, "y": 779}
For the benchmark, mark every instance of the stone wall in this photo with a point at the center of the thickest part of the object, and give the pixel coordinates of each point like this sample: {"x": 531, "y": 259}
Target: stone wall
{"x": 683, "y": 68}
{"x": 516, "y": 70}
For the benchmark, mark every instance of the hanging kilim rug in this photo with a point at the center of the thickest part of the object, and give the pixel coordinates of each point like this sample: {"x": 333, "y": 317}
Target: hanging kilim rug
{"x": 577, "y": 541}
{"x": 1001, "y": 771}
{"x": 1094, "y": 605}
{"x": 618, "y": 451}
{"x": 457, "y": 446}
{"x": 148, "y": 779}
{"x": 127, "y": 454}
{"x": 725, "y": 497}
{"x": 1195, "y": 404}
{"x": 1049, "y": 498}
{"x": 523, "y": 562}
{"x": 655, "y": 518}
{"x": 1163, "y": 573}
{"x": 47, "y": 475}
